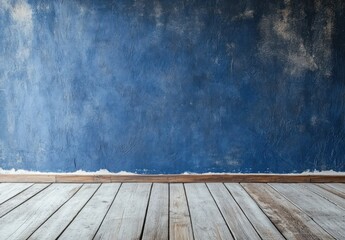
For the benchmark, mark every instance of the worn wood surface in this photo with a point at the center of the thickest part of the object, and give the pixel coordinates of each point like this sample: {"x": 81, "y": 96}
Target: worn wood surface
{"x": 157, "y": 217}
{"x": 258, "y": 219}
{"x": 180, "y": 223}
{"x": 325, "y": 213}
{"x": 172, "y": 211}
{"x": 25, "y": 219}
{"x": 56, "y": 224}
{"x": 126, "y": 216}
{"x": 292, "y": 222}
{"x": 207, "y": 222}
{"x": 87, "y": 222}
{"x": 241, "y": 228}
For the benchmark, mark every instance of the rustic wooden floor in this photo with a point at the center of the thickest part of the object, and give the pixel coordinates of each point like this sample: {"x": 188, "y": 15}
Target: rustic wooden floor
{"x": 172, "y": 211}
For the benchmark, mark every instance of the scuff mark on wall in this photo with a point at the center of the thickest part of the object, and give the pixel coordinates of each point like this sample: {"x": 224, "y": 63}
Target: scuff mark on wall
{"x": 281, "y": 27}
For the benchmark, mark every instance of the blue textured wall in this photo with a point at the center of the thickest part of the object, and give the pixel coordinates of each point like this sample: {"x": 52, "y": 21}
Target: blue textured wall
{"x": 172, "y": 86}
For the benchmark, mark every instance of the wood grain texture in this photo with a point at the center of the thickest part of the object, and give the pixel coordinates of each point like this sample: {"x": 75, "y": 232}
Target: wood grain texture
{"x": 329, "y": 216}
{"x": 337, "y": 200}
{"x": 126, "y": 216}
{"x": 16, "y": 201}
{"x": 85, "y": 225}
{"x": 180, "y": 223}
{"x": 290, "y": 220}
{"x": 25, "y": 219}
{"x": 256, "y": 216}
{"x": 178, "y": 178}
{"x": 157, "y": 218}
{"x": 55, "y": 225}
{"x": 207, "y": 222}
{"x": 238, "y": 223}
{"x": 332, "y": 188}
{"x": 12, "y": 190}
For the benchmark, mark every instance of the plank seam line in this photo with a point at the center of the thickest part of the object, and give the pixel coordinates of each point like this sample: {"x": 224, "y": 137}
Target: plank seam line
{"x": 107, "y": 210}
{"x": 17, "y": 193}
{"x": 257, "y": 204}
{"x": 168, "y": 211}
{"x": 214, "y": 200}
{"x": 329, "y": 200}
{"x": 190, "y": 216}
{"x": 78, "y": 212}
{"x": 49, "y": 184}
{"x": 301, "y": 210}
{"x": 56, "y": 210}
{"x": 242, "y": 211}
{"x": 147, "y": 209}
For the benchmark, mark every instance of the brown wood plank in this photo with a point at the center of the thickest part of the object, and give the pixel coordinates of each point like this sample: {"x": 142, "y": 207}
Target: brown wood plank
{"x": 12, "y": 190}
{"x": 258, "y": 219}
{"x": 21, "y": 198}
{"x": 238, "y": 223}
{"x": 207, "y": 221}
{"x": 329, "y": 216}
{"x": 180, "y": 222}
{"x": 178, "y": 178}
{"x": 31, "y": 178}
{"x": 55, "y": 225}
{"x": 290, "y": 220}
{"x": 85, "y": 225}
{"x": 126, "y": 216}
{"x": 25, "y": 219}
{"x": 157, "y": 218}
{"x": 337, "y": 200}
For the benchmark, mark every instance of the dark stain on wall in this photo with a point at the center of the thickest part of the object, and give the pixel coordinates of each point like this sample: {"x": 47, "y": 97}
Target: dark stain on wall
{"x": 172, "y": 86}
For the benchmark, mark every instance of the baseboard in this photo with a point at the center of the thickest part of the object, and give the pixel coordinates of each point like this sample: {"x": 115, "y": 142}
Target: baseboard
{"x": 178, "y": 178}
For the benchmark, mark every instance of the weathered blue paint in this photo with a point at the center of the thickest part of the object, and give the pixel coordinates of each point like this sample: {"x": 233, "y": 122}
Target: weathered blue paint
{"x": 172, "y": 86}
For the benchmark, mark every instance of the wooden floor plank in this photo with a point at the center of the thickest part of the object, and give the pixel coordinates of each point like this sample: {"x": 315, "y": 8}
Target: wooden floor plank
{"x": 157, "y": 218}
{"x": 207, "y": 222}
{"x": 329, "y": 216}
{"x": 12, "y": 190}
{"x": 25, "y": 219}
{"x": 126, "y": 216}
{"x": 55, "y": 225}
{"x": 290, "y": 220}
{"x": 85, "y": 225}
{"x": 258, "y": 219}
{"x": 339, "y": 201}
{"x": 340, "y": 187}
{"x": 238, "y": 223}
{"x": 180, "y": 227}
{"x": 11, "y": 204}
{"x": 333, "y": 188}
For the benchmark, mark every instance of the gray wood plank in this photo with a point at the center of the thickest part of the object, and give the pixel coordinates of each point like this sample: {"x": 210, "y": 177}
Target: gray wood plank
{"x": 25, "y": 219}
{"x": 85, "y": 225}
{"x": 157, "y": 217}
{"x": 290, "y": 220}
{"x": 339, "y": 201}
{"x": 180, "y": 227}
{"x": 329, "y": 216}
{"x": 126, "y": 216}
{"x": 207, "y": 221}
{"x": 238, "y": 223}
{"x": 333, "y": 188}
{"x": 258, "y": 219}
{"x": 9, "y": 205}
{"x": 55, "y": 225}
{"x": 12, "y": 190}
{"x": 339, "y": 186}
